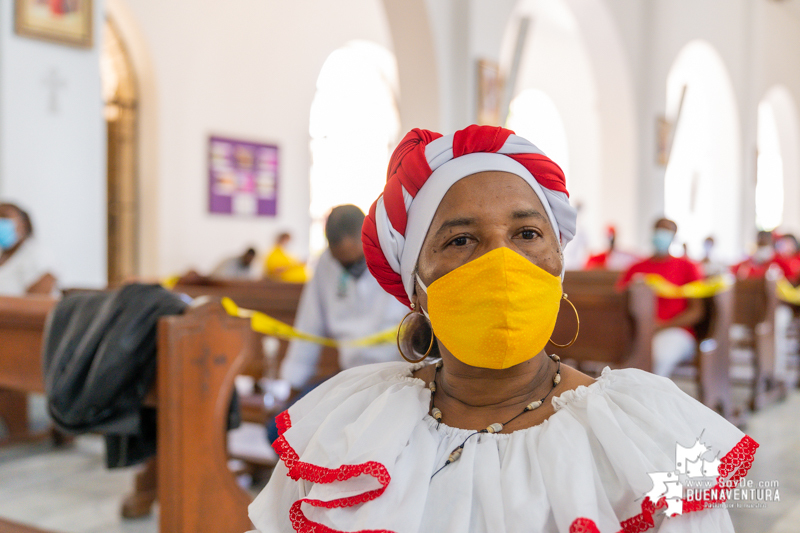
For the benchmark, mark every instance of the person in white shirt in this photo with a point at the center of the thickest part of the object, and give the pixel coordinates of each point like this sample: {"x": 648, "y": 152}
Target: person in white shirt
{"x": 21, "y": 271}
{"x": 342, "y": 301}
{"x": 238, "y": 267}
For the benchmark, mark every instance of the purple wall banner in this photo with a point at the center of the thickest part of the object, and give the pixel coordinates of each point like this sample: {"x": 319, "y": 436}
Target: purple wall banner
{"x": 243, "y": 177}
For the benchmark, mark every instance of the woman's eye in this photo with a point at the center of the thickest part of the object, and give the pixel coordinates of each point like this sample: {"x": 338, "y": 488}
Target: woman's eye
{"x": 459, "y": 241}
{"x": 528, "y": 234}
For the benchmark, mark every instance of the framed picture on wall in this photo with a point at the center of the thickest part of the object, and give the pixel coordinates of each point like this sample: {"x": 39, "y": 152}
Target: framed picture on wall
{"x": 243, "y": 177}
{"x": 490, "y": 92}
{"x": 60, "y": 21}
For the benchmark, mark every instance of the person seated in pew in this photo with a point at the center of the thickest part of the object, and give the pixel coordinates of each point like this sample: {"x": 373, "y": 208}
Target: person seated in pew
{"x": 280, "y": 265}
{"x": 755, "y": 267}
{"x": 711, "y": 266}
{"x": 494, "y": 434}
{"x": 613, "y": 258}
{"x": 239, "y": 267}
{"x": 786, "y": 249}
{"x": 343, "y": 302}
{"x": 21, "y": 268}
{"x": 763, "y": 259}
{"x": 674, "y": 341}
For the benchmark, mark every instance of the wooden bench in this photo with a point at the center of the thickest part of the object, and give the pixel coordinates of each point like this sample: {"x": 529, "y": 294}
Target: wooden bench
{"x": 617, "y": 328}
{"x": 199, "y": 355}
{"x": 276, "y": 299}
{"x": 22, "y": 321}
{"x": 755, "y": 302}
{"x": 711, "y": 366}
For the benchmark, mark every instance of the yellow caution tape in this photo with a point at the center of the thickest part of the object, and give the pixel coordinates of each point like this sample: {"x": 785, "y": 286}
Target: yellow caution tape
{"x": 263, "y": 323}
{"x": 787, "y": 292}
{"x": 696, "y": 289}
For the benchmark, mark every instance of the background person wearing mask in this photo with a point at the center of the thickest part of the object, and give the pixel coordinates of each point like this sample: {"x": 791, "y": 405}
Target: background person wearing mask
{"x": 674, "y": 340}
{"x": 21, "y": 270}
{"x": 343, "y": 302}
{"x": 763, "y": 258}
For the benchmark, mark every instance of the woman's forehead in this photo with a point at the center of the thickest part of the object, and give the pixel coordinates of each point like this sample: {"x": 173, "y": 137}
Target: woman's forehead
{"x": 490, "y": 193}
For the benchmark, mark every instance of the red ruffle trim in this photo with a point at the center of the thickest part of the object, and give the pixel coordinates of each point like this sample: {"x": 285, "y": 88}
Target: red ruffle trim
{"x": 733, "y": 467}
{"x": 318, "y": 474}
{"x": 583, "y": 525}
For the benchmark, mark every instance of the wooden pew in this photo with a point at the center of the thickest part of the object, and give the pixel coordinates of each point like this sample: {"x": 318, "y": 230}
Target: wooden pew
{"x": 22, "y": 321}
{"x": 199, "y": 355}
{"x": 276, "y": 299}
{"x": 711, "y": 365}
{"x": 616, "y": 327}
{"x": 755, "y": 302}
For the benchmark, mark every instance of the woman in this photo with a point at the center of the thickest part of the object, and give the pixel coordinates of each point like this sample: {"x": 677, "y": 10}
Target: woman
{"x": 20, "y": 268}
{"x": 496, "y": 435}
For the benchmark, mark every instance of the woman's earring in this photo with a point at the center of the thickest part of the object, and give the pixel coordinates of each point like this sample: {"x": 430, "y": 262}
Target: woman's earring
{"x": 406, "y": 331}
{"x": 577, "y": 329}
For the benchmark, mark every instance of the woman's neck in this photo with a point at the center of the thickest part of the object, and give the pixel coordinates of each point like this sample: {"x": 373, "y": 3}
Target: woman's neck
{"x": 483, "y": 388}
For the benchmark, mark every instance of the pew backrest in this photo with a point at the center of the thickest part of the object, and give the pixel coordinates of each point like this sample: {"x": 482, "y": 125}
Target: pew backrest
{"x": 199, "y": 355}
{"x": 755, "y": 301}
{"x": 276, "y": 299}
{"x": 22, "y": 324}
{"x": 616, "y": 327}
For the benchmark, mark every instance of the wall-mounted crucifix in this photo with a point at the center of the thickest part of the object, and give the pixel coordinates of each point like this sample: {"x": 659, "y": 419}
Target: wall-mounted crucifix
{"x": 54, "y": 82}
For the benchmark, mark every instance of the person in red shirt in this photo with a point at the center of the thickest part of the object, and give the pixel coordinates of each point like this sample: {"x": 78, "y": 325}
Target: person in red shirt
{"x": 611, "y": 259}
{"x": 674, "y": 340}
{"x": 756, "y": 265}
{"x": 787, "y": 250}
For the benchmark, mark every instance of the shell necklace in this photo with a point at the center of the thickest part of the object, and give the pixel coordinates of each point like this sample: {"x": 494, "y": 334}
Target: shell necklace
{"x": 497, "y": 427}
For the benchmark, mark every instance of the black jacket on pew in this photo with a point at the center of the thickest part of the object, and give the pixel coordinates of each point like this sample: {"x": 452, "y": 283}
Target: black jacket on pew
{"x": 99, "y": 361}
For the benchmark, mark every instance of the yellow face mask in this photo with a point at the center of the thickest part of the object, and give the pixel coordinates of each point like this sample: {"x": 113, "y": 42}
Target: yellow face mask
{"x": 496, "y": 311}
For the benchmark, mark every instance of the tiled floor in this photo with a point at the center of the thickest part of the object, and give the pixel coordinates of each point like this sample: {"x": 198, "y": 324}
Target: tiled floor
{"x": 69, "y": 490}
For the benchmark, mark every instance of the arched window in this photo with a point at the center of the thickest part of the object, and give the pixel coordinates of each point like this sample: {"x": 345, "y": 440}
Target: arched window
{"x": 534, "y": 116}
{"x": 769, "y": 174}
{"x": 354, "y": 125}
{"x": 701, "y": 184}
{"x": 778, "y": 139}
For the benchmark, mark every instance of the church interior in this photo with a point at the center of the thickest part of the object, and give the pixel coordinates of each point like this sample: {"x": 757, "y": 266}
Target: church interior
{"x": 149, "y": 152}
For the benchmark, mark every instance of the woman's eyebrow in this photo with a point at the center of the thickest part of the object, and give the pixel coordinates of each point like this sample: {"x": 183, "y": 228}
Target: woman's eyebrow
{"x": 453, "y": 222}
{"x": 528, "y": 213}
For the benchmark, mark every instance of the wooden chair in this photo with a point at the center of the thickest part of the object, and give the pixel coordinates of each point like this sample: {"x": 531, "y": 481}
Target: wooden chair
{"x": 755, "y": 301}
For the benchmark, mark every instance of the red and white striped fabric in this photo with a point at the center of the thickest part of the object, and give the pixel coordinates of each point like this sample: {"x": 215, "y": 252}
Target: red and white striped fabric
{"x": 422, "y": 169}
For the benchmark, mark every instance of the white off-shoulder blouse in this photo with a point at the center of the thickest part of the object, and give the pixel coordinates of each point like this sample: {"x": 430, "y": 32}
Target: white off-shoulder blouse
{"x": 357, "y": 455}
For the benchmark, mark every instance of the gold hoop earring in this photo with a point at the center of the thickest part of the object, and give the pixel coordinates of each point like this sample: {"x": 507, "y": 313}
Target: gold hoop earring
{"x": 399, "y": 346}
{"x": 577, "y": 330}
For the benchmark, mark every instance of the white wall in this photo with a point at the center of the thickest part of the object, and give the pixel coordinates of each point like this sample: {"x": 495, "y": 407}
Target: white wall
{"x": 246, "y": 70}
{"x": 53, "y": 163}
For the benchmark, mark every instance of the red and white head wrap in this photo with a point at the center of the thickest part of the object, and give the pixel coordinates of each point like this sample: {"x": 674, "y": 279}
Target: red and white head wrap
{"x": 422, "y": 169}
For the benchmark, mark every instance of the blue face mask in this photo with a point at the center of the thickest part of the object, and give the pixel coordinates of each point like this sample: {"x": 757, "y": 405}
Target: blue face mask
{"x": 8, "y": 233}
{"x": 662, "y": 238}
